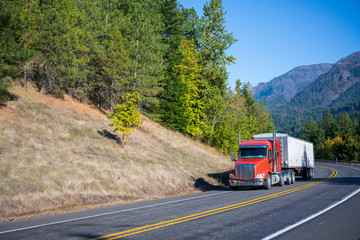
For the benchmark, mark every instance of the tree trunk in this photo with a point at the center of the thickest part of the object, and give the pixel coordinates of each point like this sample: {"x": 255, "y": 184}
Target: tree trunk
{"x": 112, "y": 102}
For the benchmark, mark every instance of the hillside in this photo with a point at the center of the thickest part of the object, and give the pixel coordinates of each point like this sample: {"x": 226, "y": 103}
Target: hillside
{"x": 338, "y": 89}
{"x": 61, "y": 154}
{"x": 282, "y": 89}
{"x": 333, "y": 88}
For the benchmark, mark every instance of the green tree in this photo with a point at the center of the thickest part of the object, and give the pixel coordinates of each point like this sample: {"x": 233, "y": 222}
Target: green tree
{"x": 172, "y": 111}
{"x": 344, "y": 125}
{"x": 16, "y": 33}
{"x": 5, "y": 84}
{"x": 351, "y": 149}
{"x": 189, "y": 73}
{"x": 25, "y": 24}
{"x": 126, "y": 116}
{"x": 327, "y": 123}
{"x": 214, "y": 40}
{"x": 59, "y": 41}
{"x": 313, "y": 133}
{"x": 235, "y": 116}
{"x": 143, "y": 35}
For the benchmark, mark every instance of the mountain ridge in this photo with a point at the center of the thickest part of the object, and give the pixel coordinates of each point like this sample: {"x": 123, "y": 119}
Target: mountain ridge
{"x": 282, "y": 89}
{"x": 337, "y": 89}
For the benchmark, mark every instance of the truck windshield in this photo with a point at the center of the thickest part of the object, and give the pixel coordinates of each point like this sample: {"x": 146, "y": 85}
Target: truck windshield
{"x": 252, "y": 153}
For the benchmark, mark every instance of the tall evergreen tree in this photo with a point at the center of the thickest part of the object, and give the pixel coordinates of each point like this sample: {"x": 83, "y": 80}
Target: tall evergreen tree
{"x": 344, "y": 125}
{"x": 107, "y": 78}
{"x": 59, "y": 42}
{"x": 172, "y": 105}
{"x": 327, "y": 123}
{"x": 214, "y": 40}
{"x": 17, "y": 20}
{"x": 143, "y": 39}
{"x": 313, "y": 133}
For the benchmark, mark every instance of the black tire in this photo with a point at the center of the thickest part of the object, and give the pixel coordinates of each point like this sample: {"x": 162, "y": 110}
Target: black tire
{"x": 234, "y": 188}
{"x": 288, "y": 179}
{"x": 281, "y": 183}
{"x": 292, "y": 177}
{"x": 268, "y": 182}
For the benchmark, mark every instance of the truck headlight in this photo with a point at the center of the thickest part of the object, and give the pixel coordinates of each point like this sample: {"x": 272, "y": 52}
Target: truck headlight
{"x": 232, "y": 175}
{"x": 260, "y": 175}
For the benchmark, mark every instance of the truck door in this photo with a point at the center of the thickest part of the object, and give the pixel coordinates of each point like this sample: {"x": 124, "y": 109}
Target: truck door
{"x": 270, "y": 157}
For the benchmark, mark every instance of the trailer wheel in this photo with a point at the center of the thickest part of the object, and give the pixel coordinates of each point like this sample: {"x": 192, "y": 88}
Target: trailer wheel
{"x": 312, "y": 173}
{"x": 268, "y": 182}
{"x": 288, "y": 179}
{"x": 292, "y": 177}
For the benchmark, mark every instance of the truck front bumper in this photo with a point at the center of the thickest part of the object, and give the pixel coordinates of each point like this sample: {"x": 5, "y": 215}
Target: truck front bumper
{"x": 247, "y": 183}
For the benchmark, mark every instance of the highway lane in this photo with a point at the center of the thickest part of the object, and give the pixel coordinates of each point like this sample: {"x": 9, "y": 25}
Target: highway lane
{"x": 244, "y": 214}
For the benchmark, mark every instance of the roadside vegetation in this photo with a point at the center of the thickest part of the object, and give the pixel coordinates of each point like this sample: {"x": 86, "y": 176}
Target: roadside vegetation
{"x": 62, "y": 154}
{"x": 100, "y": 51}
{"x": 334, "y": 138}
{"x": 73, "y": 64}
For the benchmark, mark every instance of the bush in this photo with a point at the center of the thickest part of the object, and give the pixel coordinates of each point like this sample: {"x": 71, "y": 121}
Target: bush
{"x": 5, "y": 95}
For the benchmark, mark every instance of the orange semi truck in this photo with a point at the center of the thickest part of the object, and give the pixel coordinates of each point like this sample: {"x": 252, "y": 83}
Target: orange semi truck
{"x": 271, "y": 159}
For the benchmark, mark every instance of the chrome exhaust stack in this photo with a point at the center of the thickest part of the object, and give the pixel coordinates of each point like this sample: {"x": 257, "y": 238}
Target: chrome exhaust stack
{"x": 239, "y": 139}
{"x": 274, "y": 152}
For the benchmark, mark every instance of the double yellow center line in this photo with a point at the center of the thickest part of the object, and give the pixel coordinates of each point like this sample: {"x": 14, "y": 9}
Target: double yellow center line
{"x": 214, "y": 211}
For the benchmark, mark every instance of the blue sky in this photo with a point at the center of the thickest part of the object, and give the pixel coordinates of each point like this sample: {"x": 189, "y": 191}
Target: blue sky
{"x": 274, "y": 36}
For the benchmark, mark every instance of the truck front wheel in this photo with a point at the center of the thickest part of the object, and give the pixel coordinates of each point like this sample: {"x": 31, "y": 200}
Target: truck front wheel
{"x": 268, "y": 182}
{"x": 281, "y": 183}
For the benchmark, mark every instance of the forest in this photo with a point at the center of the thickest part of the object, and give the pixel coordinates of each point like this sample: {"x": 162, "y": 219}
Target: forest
{"x": 334, "y": 138}
{"x": 101, "y": 51}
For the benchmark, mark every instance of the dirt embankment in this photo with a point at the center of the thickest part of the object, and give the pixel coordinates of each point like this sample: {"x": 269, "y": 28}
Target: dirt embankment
{"x": 60, "y": 155}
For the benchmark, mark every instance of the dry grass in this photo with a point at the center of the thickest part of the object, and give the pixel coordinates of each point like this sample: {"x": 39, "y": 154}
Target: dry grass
{"x": 61, "y": 154}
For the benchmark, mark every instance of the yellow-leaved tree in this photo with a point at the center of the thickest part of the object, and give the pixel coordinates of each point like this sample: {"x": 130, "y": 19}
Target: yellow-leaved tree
{"x": 126, "y": 116}
{"x": 189, "y": 73}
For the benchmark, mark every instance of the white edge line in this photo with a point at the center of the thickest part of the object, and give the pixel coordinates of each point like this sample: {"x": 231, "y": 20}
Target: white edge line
{"x": 108, "y": 213}
{"x": 311, "y": 217}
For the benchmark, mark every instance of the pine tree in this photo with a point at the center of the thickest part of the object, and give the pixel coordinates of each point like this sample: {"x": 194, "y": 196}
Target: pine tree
{"x": 327, "y": 123}
{"x": 59, "y": 40}
{"x": 142, "y": 32}
{"x": 172, "y": 104}
{"x": 213, "y": 42}
{"x": 16, "y": 39}
{"x": 344, "y": 125}
{"x": 313, "y": 133}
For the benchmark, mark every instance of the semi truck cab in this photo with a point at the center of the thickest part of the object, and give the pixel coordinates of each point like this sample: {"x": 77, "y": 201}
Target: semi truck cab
{"x": 269, "y": 159}
{"x": 256, "y": 163}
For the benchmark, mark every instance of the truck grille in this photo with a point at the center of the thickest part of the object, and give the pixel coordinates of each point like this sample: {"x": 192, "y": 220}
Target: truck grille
{"x": 245, "y": 171}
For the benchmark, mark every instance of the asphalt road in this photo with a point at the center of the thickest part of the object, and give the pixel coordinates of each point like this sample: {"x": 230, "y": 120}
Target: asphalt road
{"x": 320, "y": 208}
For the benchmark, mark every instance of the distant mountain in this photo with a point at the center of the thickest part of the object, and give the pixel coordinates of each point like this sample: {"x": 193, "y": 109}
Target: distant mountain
{"x": 338, "y": 85}
{"x": 337, "y": 89}
{"x": 282, "y": 89}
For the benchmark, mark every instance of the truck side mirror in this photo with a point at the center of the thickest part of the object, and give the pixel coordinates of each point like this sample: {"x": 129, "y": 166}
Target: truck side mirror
{"x": 233, "y": 157}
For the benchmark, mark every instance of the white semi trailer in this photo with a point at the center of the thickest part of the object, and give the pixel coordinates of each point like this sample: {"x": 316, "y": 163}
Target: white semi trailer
{"x": 296, "y": 154}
